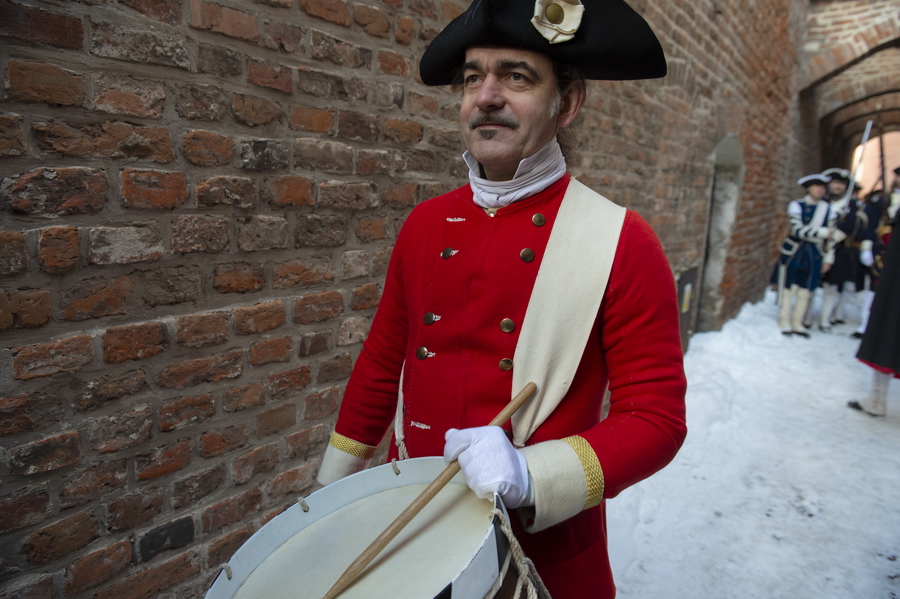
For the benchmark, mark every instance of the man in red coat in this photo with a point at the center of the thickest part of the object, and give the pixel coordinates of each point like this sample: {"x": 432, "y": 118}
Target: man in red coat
{"x": 526, "y": 275}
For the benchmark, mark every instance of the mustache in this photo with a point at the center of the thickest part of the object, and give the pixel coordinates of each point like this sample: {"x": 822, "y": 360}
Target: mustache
{"x": 489, "y": 119}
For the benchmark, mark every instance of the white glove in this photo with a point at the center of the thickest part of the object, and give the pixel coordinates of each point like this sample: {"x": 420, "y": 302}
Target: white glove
{"x": 838, "y": 236}
{"x": 489, "y": 462}
{"x": 866, "y": 257}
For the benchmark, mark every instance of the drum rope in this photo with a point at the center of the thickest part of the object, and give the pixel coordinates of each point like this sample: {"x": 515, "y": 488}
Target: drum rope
{"x": 528, "y": 575}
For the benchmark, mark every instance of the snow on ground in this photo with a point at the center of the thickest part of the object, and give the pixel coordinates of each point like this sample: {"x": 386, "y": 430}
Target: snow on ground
{"x": 781, "y": 490}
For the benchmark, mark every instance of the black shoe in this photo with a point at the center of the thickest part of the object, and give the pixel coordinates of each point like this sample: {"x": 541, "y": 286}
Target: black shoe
{"x": 856, "y": 335}
{"x": 855, "y": 405}
{"x": 803, "y": 334}
{"x": 838, "y": 321}
{"x": 787, "y": 333}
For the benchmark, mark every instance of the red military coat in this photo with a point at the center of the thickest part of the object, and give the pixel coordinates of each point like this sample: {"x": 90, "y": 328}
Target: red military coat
{"x": 457, "y": 280}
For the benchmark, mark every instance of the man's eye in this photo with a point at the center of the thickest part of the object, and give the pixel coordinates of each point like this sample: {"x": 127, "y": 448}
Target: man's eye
{"x": 517, "y": 76}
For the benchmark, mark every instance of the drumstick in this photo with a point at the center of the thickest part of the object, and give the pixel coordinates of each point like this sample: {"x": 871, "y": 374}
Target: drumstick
{"x": 418, "y": 503}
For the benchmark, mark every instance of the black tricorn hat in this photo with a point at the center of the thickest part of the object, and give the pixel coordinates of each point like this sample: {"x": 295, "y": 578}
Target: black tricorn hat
{"x": 611, "y": 42}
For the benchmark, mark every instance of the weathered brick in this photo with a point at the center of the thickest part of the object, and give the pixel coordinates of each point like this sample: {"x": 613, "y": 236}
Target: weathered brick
{"x": 312, "y": 344}
{"x": 353, "y": 330}
{"x": 139, "y": 44}
{"x": 45, "y": 83}
{"x": 335, "y": 369}
{"x": 11, "y": 137}
{"x": 46, "y": 455}
{"x": 24, "y": 508}
{"x": 107, "y": 140}
{"x": 401, "y": 195}
{"x": 288, "y": 383}
{"x": 276, "y": 420}
{"x": 222, "y": 441}
{"x": 171, "y": 285}
{"x": 46, "y": 359}
{"x": 269, "y": 351}
{"x": 263, "y": 232}
{"x": 258, "y": 318}
{"x": 372, "y": 229}
{"x": 289, "y": 191}
{"x": 231, "y": 510}
{"x": 92, "y": 483}
{"x": 444, "y": 138}
{"x": 94, "y": 298}
{"x": 374, "y": 162}
{"x": 131, "y": 511}
{"x": 261, "y": 459}
{"x": 219, "y": 61}
{"x": 419, "y": 104}
{"x": 41, "y": 26}
{"x": 200, "y": 102}
{"x": 30, "y": 308}
{"x": 200, "y": 233}
{"x": 380, "y": 261}
{"x": 126, "y": 245}
{"x": 421, "y": 161}
{"x": 365, "y": 297}
{"x": 28, "y": 412}
{"x": 185, "y": 411}
{"x": 163, "y": 461}
{"x": 165, "y": 11}
{"x": 355, "y": 263}
{"x": 322, "y": 403}
{"x": 340, "y": 53}
{"x": 224, "y": 20}
{"x": 108, "y": 388}
{"x": 61, "y": 538}
{"x": 321, "y": 230}
{"x": 249, "y": 396}
{"x": 263, "y": 155}
{"x": 165, "y": 537}
{"x": 7, "y": 319}
{"x": 198, "y": 330}
{"x": 238, "y": 278}
{"x": 13, "y": 253}
{"x": 148, "y": 583}
{"x": 333, "y": 87}
{"x": 122, "y": 430}
{"x": 133, "y": 342}
{"x": 265, "y": 75}
{"x": 118, "y": 94}
{"x": 317, "y": 307}
{"x": 394, "y": 63}
{"x": 97, "y": 567}
{"x": 282, "y": 36}
{"x": 374, "y": 21}
{"x": 334, "y": 11}
{"x": 205, "y": 148}
{"x": 253, "y": 111}
{"x": 56, "y": 192}
{"x": 302, "y": 273}
{"x": 59, "y": 249}
{"x": 358, "y": 126}
{"x": 153, "y": 190}
{"x": 230, "y": 191}
{"x": 223, "y": 547}
{"x": 402, "y": 131}
{"x": 314, "y": 120}
{"x": 323, "y": 156}
{"x": 293, "y": 482}
{"x": 308, "y": 441}
{"x": 346, "y": 196}
{"x": 202, "y": 370}
{"x": 197, "y": 486}
{"x": 30, "y": 587}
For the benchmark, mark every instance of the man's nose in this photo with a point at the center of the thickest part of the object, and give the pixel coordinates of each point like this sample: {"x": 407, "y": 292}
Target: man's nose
{"x": 490, "y": 94}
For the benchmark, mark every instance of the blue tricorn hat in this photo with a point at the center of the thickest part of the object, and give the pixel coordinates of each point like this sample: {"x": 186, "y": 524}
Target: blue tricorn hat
{"x": 841, "y": 174}
{"x": 604, "y": 39}
{"x": 817, "y": 179}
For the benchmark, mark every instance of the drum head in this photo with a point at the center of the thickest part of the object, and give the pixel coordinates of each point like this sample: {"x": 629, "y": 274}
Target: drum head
{"x": 450, "y": 549}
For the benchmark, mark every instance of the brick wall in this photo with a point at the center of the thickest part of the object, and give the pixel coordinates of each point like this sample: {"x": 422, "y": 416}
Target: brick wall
{"x": 198, "y": 204}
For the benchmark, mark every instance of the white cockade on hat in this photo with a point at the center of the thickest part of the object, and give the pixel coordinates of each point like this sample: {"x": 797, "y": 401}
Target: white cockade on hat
{"x": 557, "y": 20}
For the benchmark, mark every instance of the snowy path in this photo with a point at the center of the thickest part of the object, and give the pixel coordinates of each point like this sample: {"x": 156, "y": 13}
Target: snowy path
{"x": 780, "y": 490}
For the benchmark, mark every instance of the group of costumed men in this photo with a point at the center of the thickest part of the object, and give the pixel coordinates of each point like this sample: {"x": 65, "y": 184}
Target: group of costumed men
{"x": 842, "y": 244}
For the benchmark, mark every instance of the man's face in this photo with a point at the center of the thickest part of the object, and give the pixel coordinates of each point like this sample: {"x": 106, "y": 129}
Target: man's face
{"x": 816, "y": 191}
{"x": 837, "y": 186}
{"x": 510, "y": 107}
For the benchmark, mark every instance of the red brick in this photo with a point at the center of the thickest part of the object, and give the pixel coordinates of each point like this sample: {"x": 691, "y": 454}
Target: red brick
{"x": 59, "y": 249}
{"x": 131, "y": 511}
{"x": 269, "y": 351}
{"x": 46, "y": 359}
{"x": 393, "y": 63}
{"x": 288, "y": 383}
{"x": 276, "y": 420}
{"x": 365, "y": 297}
{"x": 11, "y": 136}
{"x": 28, "y": 412}
{"x": 372, "y": 229}
{"x": 335, "y": 369}
{"x": 402, "y": 132}
{"x": 59, "y": 191}
{"x": 418, "y": 104}
{"x": 200, "y": 233}
{"x": 133, "y": 342}
{"x": 403, "y": 32}
{"x": 201, "y": 102}
{"x": 261, "y": 459}
{"x": 46, "y": 455}
{"x": 44, "y": 83}
{"x": 223, "y": 547}
{"x": 153, "y": 190}
{"x": 315, "y": 343}
{"x": 264, "y": 75}
{"x": 41, "y": 26}
{"x": 253, "y": 112}
{"x": 198, "y": 330}
{"x": 150, "y": 582}
{"x": 293, "y": 482}
{"x": 24, "y": 508}
{"x": 308, "y": 441}
{"x": 30, "y": 308}
{"x": 282, "y": 36}
{"x": 223, "y": 441}
{"x": 205, "y": 148}
{"x": 317, "y": 307}
{"x": 375, "y": 22}
{"x": 123, "y": 430}
{"x": 13, "y": 253}
{"x": 164, "y": 460}
{"x": 97, "y": 567}
{"x": 289, "y": 191}
{"x": 186, "y": 411}
{"x": 118, "y": 94}
{"x": 197, "y": 486}
{"x": 94, "y": 298}
{"x": 314, "y": 120}
{"x": 238, "y": 278}
{"x": 321, "y": 156}
{"x": 302, "y": 273}
{"x": 106, "y": 140}
{"x": 321, "y": 230}
{"x": 7, "y": 320}
{"x": 92, "y": 483}
{"x": 345, "y": 196}
{"x": 259, "y": 317}
{"x": 110, "y": 387}
{"x": 249, "y": 396}
{"x": 322, "y": 404}
{"x": 61, "y": 539}
{"x": 334, "y": 11}
{"x": 202, "y": 370}
{"x": 401, "y": 195}
{"x": 126, "y": 245}
{"x": 165, "y": 11}
{"x": 30, "y": 588}
{"x": 231, "y": 510}
{"x": 230, "y": 191}
{"x": 224, "y": 20}
{"x": 358, "y": 126}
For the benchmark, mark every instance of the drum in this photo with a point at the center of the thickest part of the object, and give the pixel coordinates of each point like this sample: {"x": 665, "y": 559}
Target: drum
{"x": 452, "y": 549}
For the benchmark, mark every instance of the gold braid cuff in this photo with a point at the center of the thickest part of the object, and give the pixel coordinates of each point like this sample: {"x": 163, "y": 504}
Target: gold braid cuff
{"x": 593, "y": 473}
{"x": 354, "y": 448}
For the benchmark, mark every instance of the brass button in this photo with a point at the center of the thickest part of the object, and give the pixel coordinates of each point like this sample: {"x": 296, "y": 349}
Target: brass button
{"x": 422, "y": 353}
{"x": 507, "y": 325}
{"x": 506, "y": 364}
{"x": 429, "y": 318}
{"x": 447, "y": 253}
{"x": 539, "y": 220}
{"x": 555, "y": 14}
{"x": 526, "y": 255}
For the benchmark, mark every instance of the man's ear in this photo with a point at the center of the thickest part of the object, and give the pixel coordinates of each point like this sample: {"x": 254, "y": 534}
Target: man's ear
{"x": 571, "y": 102}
